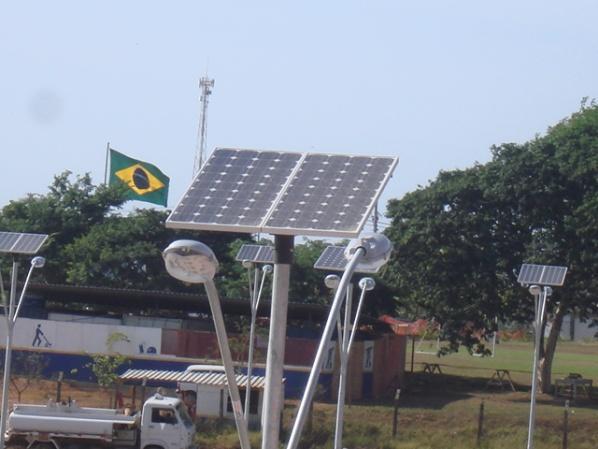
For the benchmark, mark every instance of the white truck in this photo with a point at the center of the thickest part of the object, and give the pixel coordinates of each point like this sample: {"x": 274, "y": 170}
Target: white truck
{"x": 163, "y": 424}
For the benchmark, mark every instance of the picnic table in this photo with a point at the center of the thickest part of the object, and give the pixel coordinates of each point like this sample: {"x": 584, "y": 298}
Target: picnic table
{"x": 570, "y": 384}
{"x": 500, "y": 378}
{"x": 432, "y": 368}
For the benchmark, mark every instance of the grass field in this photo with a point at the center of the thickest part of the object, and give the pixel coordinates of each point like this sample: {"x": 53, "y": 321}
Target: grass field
{"x": 570, "y": 357}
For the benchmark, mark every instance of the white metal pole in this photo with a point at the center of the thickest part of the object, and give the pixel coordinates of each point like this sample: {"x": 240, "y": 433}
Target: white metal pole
{"x": 319, "y": 359}
{"x": 254, "y": 304}
{"x": 273, "y": 389}
{"x": 227, "y": 361}
{"x": 344, "y": 362}
{"x": 540, "y": 301}
{"x": 8, "y": 352}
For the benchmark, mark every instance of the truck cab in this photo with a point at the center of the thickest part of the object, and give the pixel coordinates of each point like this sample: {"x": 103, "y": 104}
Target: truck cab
{"x": 165, "y": 424}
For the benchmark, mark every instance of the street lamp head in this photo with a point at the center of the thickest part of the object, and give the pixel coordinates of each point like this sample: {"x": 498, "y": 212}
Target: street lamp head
{"x": 367, "y": 284}
{"x": 332, "y": 281}
{"x": 535, "y": 290}
{"x": 247, "y": 263}
{"x": 377, "y": 250}
{"x": 190, "y": 261}
{"x": 38, "y": 262}
{"x": 267, "y": 268}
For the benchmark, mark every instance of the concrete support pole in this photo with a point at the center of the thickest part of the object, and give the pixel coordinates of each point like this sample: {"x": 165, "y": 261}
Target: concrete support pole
{"x": 273, "y": 391}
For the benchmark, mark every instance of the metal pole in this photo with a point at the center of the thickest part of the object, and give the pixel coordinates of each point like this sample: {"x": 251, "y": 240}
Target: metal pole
{"x": 540, "y": 301}
{"x": 254, "y": 303}
{"x": 227, "y": 361}
{"x": 319, "y": 359}
{"x": 8, "y": 314}
{"x": 342, "y": 379}
{"x": 566, "y": 426}
{"x": 273, "y": 390}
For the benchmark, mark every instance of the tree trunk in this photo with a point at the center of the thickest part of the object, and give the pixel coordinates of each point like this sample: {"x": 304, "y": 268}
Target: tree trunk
{"x": 549, "y": 350}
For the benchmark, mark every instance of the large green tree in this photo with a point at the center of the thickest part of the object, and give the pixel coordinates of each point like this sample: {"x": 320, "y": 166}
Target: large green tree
{"x": 461, "y": 239}
{"x": 91, "y": 243}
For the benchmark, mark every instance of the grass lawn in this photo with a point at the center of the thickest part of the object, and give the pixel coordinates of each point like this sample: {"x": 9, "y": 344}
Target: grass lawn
{"x": 516, "y": 357}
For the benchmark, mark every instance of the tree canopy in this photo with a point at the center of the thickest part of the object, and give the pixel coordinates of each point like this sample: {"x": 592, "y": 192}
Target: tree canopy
{"x": 461, "y": 239}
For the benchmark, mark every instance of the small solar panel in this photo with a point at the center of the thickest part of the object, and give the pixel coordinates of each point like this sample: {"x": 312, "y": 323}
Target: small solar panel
{"x": 283, "y": 193}
{"x": 542, "y": 275}
{"x": 256, "y": 253}
{"x": 21, "y": 243}
{"x": 333, "y": 259}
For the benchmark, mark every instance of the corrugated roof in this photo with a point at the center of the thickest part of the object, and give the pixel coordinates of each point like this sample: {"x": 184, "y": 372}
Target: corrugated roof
{"x": 216, "y": 379}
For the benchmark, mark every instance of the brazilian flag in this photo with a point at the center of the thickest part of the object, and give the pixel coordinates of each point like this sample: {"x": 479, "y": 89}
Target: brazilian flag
{"x": 145, "y": 181}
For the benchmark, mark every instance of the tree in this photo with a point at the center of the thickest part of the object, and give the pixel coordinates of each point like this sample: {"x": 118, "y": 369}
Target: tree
{"x": 91, "y": 244}
{"x": 27, "y": 370}
{"x": 460, "y": 238}
{"x": 69, "y": 210}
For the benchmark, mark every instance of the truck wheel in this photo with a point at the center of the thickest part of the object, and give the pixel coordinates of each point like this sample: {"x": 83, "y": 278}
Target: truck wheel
{"x": 43, "y": 446}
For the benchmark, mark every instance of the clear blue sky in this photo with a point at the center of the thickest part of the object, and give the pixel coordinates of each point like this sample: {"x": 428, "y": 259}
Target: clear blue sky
{"x": 434, "y": 82}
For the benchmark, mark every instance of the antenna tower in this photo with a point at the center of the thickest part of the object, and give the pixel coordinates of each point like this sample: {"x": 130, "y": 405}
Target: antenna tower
{"x": 206, "y": 85}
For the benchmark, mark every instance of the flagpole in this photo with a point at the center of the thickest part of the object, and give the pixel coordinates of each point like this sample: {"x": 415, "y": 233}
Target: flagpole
{"x": 106, "y": 165}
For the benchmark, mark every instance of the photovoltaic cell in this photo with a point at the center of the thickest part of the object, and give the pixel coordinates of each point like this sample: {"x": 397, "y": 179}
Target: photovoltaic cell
{"x": 283, "y": 193}
{"x": 542, "y": 275}
{"x": 256, "y": 253}
{"x": 333, "y": 259}
{"x": 21, "y": 243}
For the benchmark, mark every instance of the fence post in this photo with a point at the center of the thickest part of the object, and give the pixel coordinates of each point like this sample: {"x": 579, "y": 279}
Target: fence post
{"x": 395, "y": 420}
{"x": 59, "y": 386}
{"x": 480, "y": 423}
{"x": 566, "y": 425}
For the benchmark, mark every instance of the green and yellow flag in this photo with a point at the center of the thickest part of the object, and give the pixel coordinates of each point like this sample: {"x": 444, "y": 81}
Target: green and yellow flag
{"x": 145, "y": 181}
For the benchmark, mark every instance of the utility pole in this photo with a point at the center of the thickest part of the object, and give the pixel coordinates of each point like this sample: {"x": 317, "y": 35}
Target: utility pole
{"x": 206, "y": 85}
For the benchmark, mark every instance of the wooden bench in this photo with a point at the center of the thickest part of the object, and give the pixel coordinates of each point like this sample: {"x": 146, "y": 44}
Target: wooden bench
{"x": 570, "y": 384}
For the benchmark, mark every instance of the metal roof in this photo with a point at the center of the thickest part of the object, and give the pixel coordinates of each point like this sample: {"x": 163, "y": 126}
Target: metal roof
{"x": 215, "y": 379}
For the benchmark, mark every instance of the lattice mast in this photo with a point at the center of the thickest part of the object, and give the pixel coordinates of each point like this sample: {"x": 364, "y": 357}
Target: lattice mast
{"x": 205, "y": 84}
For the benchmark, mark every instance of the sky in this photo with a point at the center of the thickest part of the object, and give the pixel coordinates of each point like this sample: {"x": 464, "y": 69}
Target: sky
{"x": 436, "y": 83}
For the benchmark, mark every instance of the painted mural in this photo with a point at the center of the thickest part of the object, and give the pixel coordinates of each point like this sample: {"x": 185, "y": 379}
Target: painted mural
{"x": 81, "y": 337}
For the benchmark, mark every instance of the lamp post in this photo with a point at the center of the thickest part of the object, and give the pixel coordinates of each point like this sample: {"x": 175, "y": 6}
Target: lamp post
{"x": 255, "y": 296}
{"x": 541, "y": 295}
{"x": 195, "y": 263}
{"x": 11, "y": 314}
{"x": 372, "y": 251}
{"x": 346, "y": 342}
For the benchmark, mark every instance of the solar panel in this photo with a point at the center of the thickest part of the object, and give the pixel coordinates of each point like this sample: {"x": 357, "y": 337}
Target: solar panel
{"x": 542, "y": 275}
{"x": 330, "y": 194}
{"x": 283, "y": 193}
{"x": 256, "y": 253}
{"x": 333, "y": 259}
{"x": 21, "y": 243}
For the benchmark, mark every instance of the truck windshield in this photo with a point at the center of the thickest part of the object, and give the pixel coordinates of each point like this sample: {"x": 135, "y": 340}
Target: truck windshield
{"x": 184, "y": 415}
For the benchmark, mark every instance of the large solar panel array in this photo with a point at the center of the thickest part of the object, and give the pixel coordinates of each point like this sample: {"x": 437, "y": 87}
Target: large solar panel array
{"x": 542, "y": 275}
{"x": 21, "y": 243}
{"x": 283, "y": 193}
{"x": 333, "y": 259}
{"x": 256, "y": 253}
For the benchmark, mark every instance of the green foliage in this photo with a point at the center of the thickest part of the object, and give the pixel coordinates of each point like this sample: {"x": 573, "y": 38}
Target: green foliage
{"x": 459, "y": 239}
{"x": 105, "y": 366}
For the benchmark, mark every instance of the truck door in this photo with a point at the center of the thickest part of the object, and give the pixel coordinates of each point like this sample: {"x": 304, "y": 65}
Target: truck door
{"x": 163, "y": 428}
